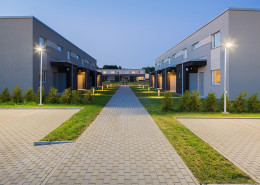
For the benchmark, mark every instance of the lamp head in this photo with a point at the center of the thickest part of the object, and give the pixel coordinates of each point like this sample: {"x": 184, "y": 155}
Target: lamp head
{"x": 40, "y": 49}
{"x": 228, "y": 45}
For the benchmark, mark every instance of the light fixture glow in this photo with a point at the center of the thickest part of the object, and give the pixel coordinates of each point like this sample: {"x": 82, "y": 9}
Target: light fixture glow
{"x": 228, "y": 45}
{"x": 39, "y": 48}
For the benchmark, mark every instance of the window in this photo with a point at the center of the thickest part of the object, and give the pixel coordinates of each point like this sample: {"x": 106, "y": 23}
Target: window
{"x": 174, "y": 56}
{"x": 104, "y": 72}
{"x": 133, "y": 72}
{"x": 68, "y": 55}
{"x": 185, "y": 53}
{"x": 112, "y": 72}
{"x": 42, "y": 42}
{"x": 195, "y": 46}
{"x": 59, "y": 48}
{"x": 216, "y": 77}
{"x": 83, "y": 61}
{"x": 169, "y": 60}
{"x": 44, "y": 76}
{"x": 216, "y": 40}
{"x": 78, "y": 57}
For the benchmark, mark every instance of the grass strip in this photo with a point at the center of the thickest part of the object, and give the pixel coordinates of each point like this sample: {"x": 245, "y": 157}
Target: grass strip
{"x": 207, "y": 165}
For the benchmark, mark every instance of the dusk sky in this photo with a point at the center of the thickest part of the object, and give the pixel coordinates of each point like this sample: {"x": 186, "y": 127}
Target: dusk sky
{"x": 129, "y": 33}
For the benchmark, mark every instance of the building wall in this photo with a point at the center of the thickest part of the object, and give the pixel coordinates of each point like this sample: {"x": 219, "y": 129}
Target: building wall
{"x": 16, "y": 53}
{"x": 244, "y": 58}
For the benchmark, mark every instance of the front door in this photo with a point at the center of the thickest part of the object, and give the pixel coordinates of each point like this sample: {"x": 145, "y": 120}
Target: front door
{"x": 61, "y": 82}
{"x": 173, "y": 83}
{"x": 201, "y": 84}
{"x": 193, "y": 85}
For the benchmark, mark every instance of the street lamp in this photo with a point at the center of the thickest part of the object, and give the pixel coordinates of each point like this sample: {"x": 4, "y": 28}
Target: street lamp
{"x": 227, "y": 46}
{"x": 40, "y": 49}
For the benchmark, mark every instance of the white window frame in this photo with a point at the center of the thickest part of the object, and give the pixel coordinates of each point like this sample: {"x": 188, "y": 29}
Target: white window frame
{"x": 214, "y": 40}
{"x": 68, "y": 54}
{"x": 169, "y": 60}
{"x": 214, "y": 77}
{"x": 185, "y": 53}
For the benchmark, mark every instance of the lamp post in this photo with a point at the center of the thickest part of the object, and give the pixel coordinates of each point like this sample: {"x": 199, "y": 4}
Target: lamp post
{"x": 227, "y": 45}
{"x": 40, "y": 49}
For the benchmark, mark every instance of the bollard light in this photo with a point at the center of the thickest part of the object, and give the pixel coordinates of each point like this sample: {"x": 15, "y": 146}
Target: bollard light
{"x": 102, "y": 88}
{"x": 158, "y": 92}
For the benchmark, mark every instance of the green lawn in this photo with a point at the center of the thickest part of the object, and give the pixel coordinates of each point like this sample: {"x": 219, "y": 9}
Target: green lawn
{"x": 126, "y": 83}
{"x": 207, "y": 165}
{"x": 143, "y": 92}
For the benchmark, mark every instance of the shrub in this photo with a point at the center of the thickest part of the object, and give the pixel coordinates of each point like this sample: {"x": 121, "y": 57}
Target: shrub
{"x": 5, "y": 96}
{"x": 53, "y": 96}
{"x": 185, "y": 101}
{"x": 253, "y": 103}
{"x": 38, "y": 95}
{"x": 17, "y": 94}
{"x": 167, "y": 102}
{"x": 196, "y": 103}
{"x": 76, "y": 97}
{"x": 88, "y": 98}
{"x": 240, "y": 102}
{"x": 66, "y": 96}
{"x": 221, "y": 105}
{"x": 29, "y": 95}
{"x": 211, "y": 103}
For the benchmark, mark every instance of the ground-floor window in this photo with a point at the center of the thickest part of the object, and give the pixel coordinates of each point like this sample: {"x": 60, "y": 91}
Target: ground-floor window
{"x": 44, "y": 76}
{"x": 216, "y": 77}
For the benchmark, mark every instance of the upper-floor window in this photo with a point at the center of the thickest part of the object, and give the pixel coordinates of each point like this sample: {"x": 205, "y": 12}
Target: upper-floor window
{"x": 112, "y": 72}
{"x": 174, "y": 56}
{"x": 169, "y": 60}
{"x": 68, "y": 54}
{"x": 82, "y": 61}
{"x": 216, "y": 40}
{"x": 216, "y": 77}
{"x": 42, "y": 42}
{"x": 185, "y": 54}
{"x": 59, "y": 48}
{"x": 78, "y": 57}
{"x": 44, "y": 76}
{"x": 195, "y": 46}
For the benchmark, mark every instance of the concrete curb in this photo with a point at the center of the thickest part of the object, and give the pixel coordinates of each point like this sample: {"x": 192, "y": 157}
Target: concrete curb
{"x": 216, "y": 117}
{"x": 39, "y": 143}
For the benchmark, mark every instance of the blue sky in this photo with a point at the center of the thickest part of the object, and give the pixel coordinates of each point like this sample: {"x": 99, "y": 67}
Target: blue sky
{"x": 130, "y": 33}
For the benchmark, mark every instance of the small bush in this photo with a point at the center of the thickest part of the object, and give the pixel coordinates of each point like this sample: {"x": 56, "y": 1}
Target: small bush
{"x": 29, "y": 95}
{"x": 253, "y": 103}
{"x": 38, "y": 95}
{"x": 240, "y": 102}
{"x": 17, "y": 94}
{"x": 53, "y": 96}
{"x": 185, "y": 101}
{"x": 88, "y": 98}
{"x": 211, "y": 103}
{"x": 66, "y": 96}
{"x": 196, "y": 102}
{"x": 76, "y": 97}
{"x": 5, "y": 96}
{"x": 167, "y": 102}
{"x": 221, "y": 105}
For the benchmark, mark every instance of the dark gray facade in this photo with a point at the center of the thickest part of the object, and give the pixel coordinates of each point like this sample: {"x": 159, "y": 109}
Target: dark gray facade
{"x": 20, "y": 61}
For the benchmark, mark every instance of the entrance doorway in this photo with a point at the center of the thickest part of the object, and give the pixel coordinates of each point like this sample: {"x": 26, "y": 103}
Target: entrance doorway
{"x": 201, "y": 83}
{"x": 81, "y": 80}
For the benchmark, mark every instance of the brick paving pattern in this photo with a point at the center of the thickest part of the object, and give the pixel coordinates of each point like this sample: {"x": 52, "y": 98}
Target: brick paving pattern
{"x": 236, "y": 139}
{"x": 20, "y": 161}
{"x": 123, "y": 146}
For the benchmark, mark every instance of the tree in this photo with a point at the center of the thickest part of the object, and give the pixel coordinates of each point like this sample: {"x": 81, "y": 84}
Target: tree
{"x": 149, "y": 69}
{"x": 110, "y": 67}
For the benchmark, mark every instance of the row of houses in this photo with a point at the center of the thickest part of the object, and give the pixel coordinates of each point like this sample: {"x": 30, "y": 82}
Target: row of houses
{"x": 197, "y": 62}
{"x": 64, "y": 64}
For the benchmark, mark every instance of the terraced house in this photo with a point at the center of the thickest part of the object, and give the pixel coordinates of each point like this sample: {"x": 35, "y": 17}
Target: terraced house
{"x": 197, "y": 62}
{"x": 64, "y": 64}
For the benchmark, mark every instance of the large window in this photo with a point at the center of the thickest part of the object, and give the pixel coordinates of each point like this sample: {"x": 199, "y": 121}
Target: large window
{"x": 216, "y": 77}
{"x": 216, "y": 40}
{"x": 185, "y": 54}
{"x": 68, "y": 55}
{"x": 42, "y": 42}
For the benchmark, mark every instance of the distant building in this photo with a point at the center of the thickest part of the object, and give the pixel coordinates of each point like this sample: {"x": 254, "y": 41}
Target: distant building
{"x": 64, "y": 64}
{"x": 122, "y": 75}
{"x": 197, "y": 62}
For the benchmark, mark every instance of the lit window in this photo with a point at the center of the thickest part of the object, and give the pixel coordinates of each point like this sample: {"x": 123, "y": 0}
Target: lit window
{"x": 104, "y": 72}
{"x": 113, "y": 72}
{"x": 133, "y": 72}
{"x": 195, "y": 46}
{"x": 185, "y": 53}
{"x": 42, "y": 42}
{"x": 216, "y": 40}
{"x": 68, "y": 55}
{"x": 59, "y": 48}
{"x": 216, "y": 77}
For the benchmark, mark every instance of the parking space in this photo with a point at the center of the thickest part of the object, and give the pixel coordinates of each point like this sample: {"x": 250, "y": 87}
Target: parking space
{"x": 236, "y": 139}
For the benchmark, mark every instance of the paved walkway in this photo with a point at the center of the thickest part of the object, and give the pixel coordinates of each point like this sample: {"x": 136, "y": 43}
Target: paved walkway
{"x": 123, "y": 146}
{"x": 236, "y": 139}
{"x": 20, "y": 161}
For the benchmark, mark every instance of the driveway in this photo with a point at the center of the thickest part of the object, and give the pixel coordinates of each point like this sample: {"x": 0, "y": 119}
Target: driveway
{"x": 20, "y": 160}
{"x": 236, "y": 139}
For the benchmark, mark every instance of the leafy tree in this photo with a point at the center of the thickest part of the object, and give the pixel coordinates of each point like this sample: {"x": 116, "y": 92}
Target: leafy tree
{"x": 110, "y": 67}
{"x": 149, "y": 69}
{"x": 5, "y": 96}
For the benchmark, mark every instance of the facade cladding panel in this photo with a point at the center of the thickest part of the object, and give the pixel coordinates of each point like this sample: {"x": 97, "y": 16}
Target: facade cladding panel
{"x": 21, "y": 62}
{"x": 238, "y": 26}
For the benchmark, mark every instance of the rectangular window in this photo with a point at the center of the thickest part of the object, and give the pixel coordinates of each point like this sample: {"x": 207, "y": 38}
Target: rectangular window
{"x": 185, "y": 55}
{"x": 82, "y": 61}
{"x": 68, "y": 55}
{"x": 44, "y": 76}
{"x": 133, "y": 72}
{"x": 174, "y": 56}
{"x": 59, "y": 48}
{"x": 112, "y": 72}
{"x": 42, "y": 42}
{"x": 195, "y": 46}
{"x": 169, "y": 60}
{"x": 216, "y": 77}
{"x": 216, "y": 40}
{"x": 78, "y": 57}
